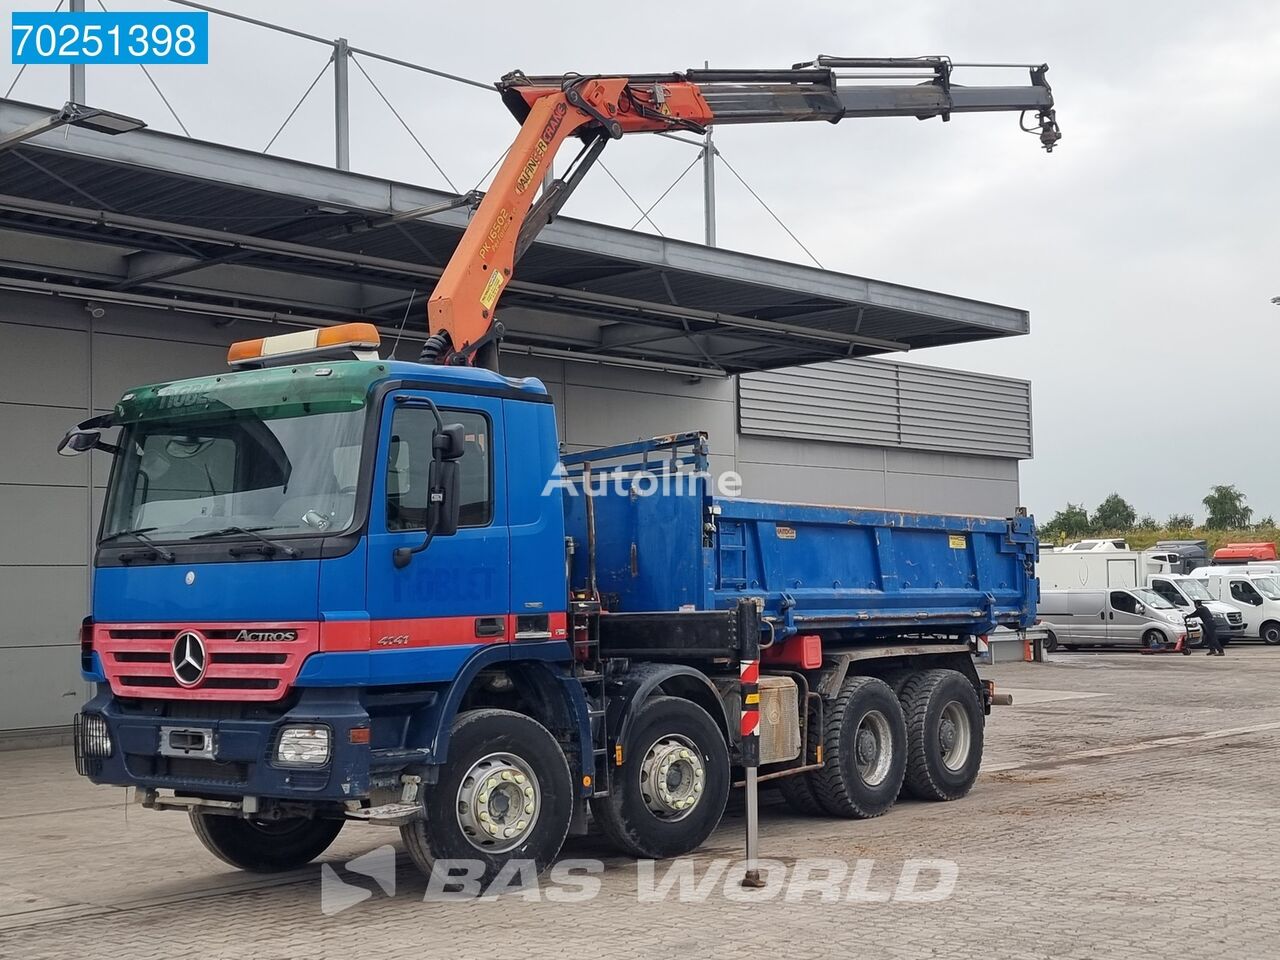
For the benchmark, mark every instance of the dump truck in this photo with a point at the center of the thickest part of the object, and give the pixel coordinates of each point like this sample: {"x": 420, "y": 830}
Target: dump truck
{"x": 334, "y": 587}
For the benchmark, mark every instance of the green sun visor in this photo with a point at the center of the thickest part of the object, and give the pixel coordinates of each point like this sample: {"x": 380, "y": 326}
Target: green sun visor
{"x": 271, "y": 393}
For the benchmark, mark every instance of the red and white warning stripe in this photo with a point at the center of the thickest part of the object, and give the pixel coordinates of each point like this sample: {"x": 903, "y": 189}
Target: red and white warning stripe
{"x": 748, "y": 680}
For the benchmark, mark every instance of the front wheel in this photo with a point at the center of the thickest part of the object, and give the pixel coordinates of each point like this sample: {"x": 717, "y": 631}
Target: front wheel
{"x": 944, "y": 735}
{"x": 506, "y": 794}
{"x": 1050, "y": 642}
{"x": 1153, "y": 640}
{"x": 671, "y": 790}
{"x": 1270, "y": 633}
{"x": 264, "y": 846}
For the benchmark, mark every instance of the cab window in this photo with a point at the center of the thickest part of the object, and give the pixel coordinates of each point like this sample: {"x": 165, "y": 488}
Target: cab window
{"x": 1169, "y": 592}
{"x": 1243, "y": 591}
{"x": 409, "y": 463}
{"x": 1122, "y": 602}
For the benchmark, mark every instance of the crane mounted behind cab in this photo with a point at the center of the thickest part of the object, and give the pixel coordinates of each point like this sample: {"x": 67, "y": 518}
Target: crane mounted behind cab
{"x": 597, "y": 109}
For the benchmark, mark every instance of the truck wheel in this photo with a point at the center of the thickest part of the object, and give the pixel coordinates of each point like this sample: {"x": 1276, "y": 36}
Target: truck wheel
{"x": 1050, "y": 642}
{"x": 797, "y": 790}
{"x": 1270, "y": 633}
{"x": 505, "y": 794}
{"x": 671, "y": 790}
{"x": 944, "y": 735}
{"x": 864, "y": 751}
{"x": 264, "y": 846}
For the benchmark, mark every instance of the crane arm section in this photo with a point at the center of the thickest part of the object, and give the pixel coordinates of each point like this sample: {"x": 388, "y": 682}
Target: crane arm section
{"x": 597, "y": 109}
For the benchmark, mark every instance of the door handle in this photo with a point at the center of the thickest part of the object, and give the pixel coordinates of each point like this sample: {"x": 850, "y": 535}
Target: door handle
{"x": 491, "y": 626}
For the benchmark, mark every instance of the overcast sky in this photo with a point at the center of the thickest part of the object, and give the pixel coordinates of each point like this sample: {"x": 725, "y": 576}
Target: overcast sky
{"x": 1146, "y": 247}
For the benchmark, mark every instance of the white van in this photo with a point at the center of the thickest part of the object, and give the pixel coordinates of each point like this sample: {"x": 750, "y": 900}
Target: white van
{"x": 1182, "y": 591}
{"x": 1254, "y": 591}
{"x": 1129, "y": 617}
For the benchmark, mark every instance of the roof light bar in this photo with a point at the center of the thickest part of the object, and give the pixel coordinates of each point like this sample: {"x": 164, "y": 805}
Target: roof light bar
{"x": 359, "y": 340}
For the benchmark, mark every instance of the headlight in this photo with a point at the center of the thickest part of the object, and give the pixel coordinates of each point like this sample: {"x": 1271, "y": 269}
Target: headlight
{"x": 307, "y": 746}
{"x": 95, "y": 739}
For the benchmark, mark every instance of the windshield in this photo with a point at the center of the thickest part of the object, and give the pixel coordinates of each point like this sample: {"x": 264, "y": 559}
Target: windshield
{"x": 1194, "y": 589}
{"x": 1153, "y": 599}
{"x": 1269, "y": 587}
{"x": 275, "y": 470}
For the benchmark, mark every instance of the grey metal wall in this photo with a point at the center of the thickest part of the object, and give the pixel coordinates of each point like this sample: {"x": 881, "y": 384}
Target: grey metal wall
{"x": 883, "y": 403}
{"x": 58, "y": 365}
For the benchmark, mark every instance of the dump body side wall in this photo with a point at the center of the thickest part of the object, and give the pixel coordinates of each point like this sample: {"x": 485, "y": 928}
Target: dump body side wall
{"x": 814, "y": 568}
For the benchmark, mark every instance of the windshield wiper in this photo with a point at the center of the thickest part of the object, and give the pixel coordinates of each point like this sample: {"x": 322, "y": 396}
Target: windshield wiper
{"x": 248, "y": 532}
{"x": 141, "y": 536}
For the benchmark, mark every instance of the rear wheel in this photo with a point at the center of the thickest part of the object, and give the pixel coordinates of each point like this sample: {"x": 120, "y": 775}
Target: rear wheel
{"x": 944, "y": 735}
{"x": 506, "y": 794}
{"x": 671, "y": 790}
{"x": 1270, "y": 633}
{"x": 264, "y": 846}
{"x": 864, "y": 751}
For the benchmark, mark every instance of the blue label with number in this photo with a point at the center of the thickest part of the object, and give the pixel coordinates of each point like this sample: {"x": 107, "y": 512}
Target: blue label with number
{"x": 110, "y": 37}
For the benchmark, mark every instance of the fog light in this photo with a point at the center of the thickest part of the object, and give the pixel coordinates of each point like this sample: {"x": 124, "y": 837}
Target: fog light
{"x": 303, "y": 745}
{"x": 95, "y": 739}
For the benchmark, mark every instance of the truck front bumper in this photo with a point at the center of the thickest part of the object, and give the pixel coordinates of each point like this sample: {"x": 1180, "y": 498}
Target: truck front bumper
{"x": 194, "y": 750}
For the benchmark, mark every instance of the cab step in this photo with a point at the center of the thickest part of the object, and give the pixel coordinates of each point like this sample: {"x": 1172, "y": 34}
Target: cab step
{"x": 388, "y": 814}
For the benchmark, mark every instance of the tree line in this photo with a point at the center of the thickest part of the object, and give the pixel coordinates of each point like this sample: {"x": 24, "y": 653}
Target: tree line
{"x": 1225, "y": 509}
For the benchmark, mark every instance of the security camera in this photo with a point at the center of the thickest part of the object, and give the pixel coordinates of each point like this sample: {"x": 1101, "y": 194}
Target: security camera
{"x": 95, "y": 310}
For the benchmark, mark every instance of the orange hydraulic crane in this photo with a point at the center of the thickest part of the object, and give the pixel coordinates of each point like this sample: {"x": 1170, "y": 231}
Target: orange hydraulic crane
{"x": 598, "y": 109}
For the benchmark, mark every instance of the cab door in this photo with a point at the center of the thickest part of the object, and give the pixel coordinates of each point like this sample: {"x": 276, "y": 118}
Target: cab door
{"x": 458, "y": 590}
{"x": 1124, "y": 624}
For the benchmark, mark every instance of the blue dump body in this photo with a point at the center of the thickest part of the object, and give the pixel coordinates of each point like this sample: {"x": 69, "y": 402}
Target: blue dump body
{"x": 664, "y": 542}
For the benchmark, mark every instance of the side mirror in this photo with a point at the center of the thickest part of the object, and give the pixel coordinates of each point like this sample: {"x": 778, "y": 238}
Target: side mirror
{"x": 1142, "y": 608}
{"x": 443, "y": 504}
{"x": 87, "y": 436}
{"x": 78, "y": 441}
{"x": 447, "y": 444}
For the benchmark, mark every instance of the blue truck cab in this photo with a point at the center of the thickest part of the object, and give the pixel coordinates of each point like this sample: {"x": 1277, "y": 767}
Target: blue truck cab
{"x": 332, "y": 588}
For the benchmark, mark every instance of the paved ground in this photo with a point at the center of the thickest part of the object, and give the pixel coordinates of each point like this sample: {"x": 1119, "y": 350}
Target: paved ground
{"x": 1127, "y": 811}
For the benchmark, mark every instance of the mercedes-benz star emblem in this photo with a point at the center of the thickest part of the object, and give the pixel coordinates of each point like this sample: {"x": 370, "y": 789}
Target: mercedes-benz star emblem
{"x": 188, "y": 658}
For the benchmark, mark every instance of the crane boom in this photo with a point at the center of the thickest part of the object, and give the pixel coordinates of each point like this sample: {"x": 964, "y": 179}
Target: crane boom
{"x": 597, "y": 109}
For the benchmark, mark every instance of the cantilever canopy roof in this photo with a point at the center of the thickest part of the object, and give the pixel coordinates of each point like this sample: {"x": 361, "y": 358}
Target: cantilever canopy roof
{"x": 164, "y": 220}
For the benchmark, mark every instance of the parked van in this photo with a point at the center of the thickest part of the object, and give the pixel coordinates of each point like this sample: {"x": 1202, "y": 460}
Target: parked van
{"x": 1129, "y": 617}
{"x": 1183, "y": 591}
{"x": 1253, "y": 590}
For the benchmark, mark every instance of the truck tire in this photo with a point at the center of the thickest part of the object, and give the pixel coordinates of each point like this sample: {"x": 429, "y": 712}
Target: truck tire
{"x": 671, "y": 790}
{"x": 506, "y": 794}
{"x": 1270, "y": 633}
{"x": 944, "y": 735}
{"x": 797, "y": 790}
{"x": 1050, "y": 642}
{"x": 864, "y": 751}
{"x": 263, "y": 846}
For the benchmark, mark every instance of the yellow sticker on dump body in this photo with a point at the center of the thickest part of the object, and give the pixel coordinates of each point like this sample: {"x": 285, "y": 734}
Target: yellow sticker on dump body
{"x": 957, "y": 543}
{"x": 786, "y": 533}
{"x": 492, "y": 289}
